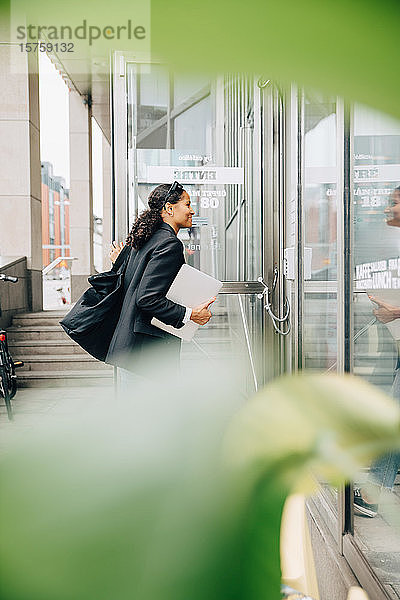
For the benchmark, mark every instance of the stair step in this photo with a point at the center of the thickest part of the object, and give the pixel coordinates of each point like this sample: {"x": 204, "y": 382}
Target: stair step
{"x": 19, "y": 321}
{"x": 54, "y": 347}
{"x": 51, "y": 358}
{"x": 61, "y": 362}
{"x": 40, "y": 332}
{"x": 80, "y": 378}
{"x": 35, "y": 328}
{"x": 47, "y": 313}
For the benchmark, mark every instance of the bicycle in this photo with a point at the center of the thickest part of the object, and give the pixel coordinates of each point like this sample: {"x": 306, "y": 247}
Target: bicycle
{"x": 8, "y": 378}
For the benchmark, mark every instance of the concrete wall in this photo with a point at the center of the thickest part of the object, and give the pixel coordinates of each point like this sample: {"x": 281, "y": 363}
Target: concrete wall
{"x": 14, "y": 297}
{"x": 20, "y": 172}
{"x": 80, "y": 195}
{"x": 333, "y": 572}
{"x": 107, "y": 202}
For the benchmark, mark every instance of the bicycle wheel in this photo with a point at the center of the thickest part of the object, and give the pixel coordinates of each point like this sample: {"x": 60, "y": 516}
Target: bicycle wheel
{"x": 13, "y": 378}
{"x": 5, "y": 388}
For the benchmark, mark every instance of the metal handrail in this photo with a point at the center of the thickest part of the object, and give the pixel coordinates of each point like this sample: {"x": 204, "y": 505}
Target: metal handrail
{"x": 285, "y": 320}
{"x": 55, "y": 262}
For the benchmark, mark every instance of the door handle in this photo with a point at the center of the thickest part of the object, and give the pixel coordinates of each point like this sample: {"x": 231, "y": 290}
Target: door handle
{"x": 277, "y": 322}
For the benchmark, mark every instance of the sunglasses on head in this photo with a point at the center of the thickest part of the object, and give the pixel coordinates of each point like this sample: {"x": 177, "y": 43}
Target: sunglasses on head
{"x": 175, "y": 187}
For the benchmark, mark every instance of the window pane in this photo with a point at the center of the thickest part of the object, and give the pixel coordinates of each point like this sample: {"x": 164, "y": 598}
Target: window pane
{"x": 153, "y": 91}
{"x": 376, "y": 271}
{"x": 193, "y": 129}
{"x": 320, "y": 240}
{"x": 186, "y": 86}
{"x": 320, "y": 214}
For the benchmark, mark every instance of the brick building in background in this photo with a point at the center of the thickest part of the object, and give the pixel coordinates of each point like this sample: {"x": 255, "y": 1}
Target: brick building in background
{"x": 55, "y": 216}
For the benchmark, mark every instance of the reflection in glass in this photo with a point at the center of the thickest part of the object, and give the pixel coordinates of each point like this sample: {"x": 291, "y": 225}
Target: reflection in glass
{"x": 377, "y": 278}
{"x": 221, "y": 242}
{"x": 178, "y": 139}
{"x": 242, "y": 203}
{"x": 320, "y": 238}
{"x": 233, "y": 338}
{"x": 186, "y": 85}
{"x": 193, "y": 129}
{"x": 320, "y": 215}
{"x": 152, "y": 92}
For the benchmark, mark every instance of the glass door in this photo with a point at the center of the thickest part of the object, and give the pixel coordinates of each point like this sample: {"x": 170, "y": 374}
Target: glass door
{"x": 320, "y": 206}
{"x": 349, "y": 182}
{"x": 374, "y": 355}
{"x": 208, "y": 134}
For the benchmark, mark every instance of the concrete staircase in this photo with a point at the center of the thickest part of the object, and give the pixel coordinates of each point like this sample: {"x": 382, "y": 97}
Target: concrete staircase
{"x": 51, "y": 358}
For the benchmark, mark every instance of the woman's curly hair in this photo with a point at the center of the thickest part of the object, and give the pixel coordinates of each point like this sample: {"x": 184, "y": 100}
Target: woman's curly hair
{"x": 150, "y": 220}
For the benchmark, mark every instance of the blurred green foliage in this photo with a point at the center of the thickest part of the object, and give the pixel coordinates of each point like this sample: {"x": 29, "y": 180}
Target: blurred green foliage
{"x": 120, "y": 508}
{"x": 344, "y": 47}
{"x": 177, "y": 495}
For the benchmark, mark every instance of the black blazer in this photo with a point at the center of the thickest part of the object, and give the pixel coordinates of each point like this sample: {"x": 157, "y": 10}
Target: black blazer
{"x": 148, "y": 276}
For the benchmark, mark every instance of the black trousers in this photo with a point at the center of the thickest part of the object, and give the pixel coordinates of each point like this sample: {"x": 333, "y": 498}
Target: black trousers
{"x": 151, "y": 356}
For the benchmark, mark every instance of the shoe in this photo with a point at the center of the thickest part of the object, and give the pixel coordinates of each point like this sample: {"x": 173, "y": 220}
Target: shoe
{"x": 361, "y": 507}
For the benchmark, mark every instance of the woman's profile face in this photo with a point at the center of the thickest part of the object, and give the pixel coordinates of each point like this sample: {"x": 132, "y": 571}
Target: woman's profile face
{"x": 182, "y": 211}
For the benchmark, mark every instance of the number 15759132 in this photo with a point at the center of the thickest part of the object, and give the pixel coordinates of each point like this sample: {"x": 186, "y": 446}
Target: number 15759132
{"x": 46, "y": 47}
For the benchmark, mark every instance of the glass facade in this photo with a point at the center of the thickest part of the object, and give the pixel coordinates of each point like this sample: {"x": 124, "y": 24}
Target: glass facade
{"x": 186, "y": 137}
{"x": 320, "y": 315}
{"x": 290, "y": 186}
{"x": 320, "y": 233}
{"x": 376, "y": 252}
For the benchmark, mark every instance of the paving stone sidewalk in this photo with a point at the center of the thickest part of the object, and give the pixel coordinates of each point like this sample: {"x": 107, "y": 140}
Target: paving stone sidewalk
{"x": 32, "y": 406}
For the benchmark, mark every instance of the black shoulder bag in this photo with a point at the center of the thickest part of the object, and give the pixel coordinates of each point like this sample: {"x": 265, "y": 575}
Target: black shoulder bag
{"x": 92, "y": 320}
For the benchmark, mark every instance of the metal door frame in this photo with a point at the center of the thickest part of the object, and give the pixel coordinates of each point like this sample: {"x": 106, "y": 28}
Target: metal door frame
{"x": 268, "y": 155}
{"x": 274, "y": 173}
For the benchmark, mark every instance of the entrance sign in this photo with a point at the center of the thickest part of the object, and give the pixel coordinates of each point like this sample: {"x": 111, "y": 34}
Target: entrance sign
{"x": 196, "y": 175}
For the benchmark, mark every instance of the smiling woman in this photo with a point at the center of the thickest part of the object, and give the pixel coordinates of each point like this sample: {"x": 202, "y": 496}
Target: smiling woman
{"x": 154, "y": 256}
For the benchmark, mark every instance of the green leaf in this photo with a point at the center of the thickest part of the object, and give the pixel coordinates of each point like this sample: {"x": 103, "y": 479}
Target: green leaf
{"x": 146, "y": 503}
{"x": 340, "y": 47}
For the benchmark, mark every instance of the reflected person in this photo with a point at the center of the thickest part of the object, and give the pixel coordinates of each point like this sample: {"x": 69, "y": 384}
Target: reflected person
{"x": 382, "y": 474}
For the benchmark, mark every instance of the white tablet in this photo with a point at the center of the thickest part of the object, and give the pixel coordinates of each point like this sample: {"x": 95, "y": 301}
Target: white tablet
{"x": 190, "y": 288}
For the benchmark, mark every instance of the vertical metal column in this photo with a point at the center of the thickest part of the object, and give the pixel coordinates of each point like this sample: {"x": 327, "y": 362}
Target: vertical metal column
{"x": 348, "y": 280}
{"x": 341, "y": 244}
{"x": 119, "y": 136}
{"x": 170, "y": 106}
{"x": 290, "y": 204}
{"x": 348, "y": 238}
{"x": 340, "y": 205}
{"x": 133, "y": 93}
{"x": 112, "y": 128}
{"x": 299, "y": 226}
{"x": 281, "y": 218}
